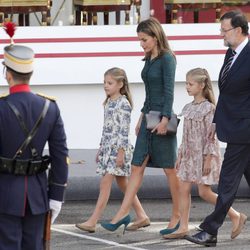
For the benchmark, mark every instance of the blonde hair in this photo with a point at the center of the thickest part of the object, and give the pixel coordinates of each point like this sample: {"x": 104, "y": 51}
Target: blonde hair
{"x": 200, "y": 76}
{"x": 119, "y": 75}
{"x": 153, "y": 28}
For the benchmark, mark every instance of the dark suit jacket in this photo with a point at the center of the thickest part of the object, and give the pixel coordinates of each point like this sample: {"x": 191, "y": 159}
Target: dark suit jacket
{"x": 232, "y": 115}
{"x": 15, "y": 191}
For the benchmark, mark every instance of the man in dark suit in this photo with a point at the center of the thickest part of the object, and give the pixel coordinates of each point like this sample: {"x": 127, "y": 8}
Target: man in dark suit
{"x": 27, "y": 122}
{"x": 232, "y": 123}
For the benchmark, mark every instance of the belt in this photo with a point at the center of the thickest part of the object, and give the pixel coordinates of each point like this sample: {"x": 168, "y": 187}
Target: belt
{"x": 24, "y": 167}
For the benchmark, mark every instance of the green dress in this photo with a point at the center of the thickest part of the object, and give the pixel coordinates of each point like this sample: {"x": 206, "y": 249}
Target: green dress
{"x": 158, "y": 76}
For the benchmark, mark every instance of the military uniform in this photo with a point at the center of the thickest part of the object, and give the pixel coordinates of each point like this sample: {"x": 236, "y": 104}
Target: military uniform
{"x": 24, "y": 198}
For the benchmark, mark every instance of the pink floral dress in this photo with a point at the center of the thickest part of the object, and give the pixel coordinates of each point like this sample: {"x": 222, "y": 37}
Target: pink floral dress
{"x": 195, "y": 144}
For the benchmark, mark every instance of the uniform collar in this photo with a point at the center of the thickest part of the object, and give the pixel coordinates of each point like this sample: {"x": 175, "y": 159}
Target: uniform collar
{"x": 20, "y": 88}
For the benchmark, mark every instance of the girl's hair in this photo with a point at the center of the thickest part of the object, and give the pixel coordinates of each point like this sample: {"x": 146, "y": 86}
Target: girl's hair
{"x": 119, "y": 75}
{"x": 153, "y": 28}
{"x": 201, "y": 76}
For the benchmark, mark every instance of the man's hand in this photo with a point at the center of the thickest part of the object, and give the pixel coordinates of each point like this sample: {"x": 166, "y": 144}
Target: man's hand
{"x": 55, "y": 207}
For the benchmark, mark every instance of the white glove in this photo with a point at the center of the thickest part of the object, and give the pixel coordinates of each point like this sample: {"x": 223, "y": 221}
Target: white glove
{"x": 55, "y": 207}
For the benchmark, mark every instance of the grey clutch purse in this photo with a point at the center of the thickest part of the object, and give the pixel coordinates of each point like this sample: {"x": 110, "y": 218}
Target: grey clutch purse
{"x": 154, "y": 117}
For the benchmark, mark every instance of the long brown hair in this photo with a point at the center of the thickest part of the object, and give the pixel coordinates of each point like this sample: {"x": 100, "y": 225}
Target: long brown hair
{"x": 201, "y": 76}
{"x": 153, "y": 28}
{"x": 120, "y": 75}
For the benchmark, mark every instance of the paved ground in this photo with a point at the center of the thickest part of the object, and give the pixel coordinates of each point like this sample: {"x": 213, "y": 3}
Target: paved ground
{"x": 81, "y": 195}
{"x": 66, "y": 237}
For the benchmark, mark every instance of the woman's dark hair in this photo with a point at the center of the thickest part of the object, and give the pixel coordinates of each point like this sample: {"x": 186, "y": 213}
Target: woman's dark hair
{"x": 238, "y": 19}
{"x": 152, "y": 27}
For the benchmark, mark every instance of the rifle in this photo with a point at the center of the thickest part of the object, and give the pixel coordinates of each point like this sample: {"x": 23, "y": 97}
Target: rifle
{"x": 47, "y": 231}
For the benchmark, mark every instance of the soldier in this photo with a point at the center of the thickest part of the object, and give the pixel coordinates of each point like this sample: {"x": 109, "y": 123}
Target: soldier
{"x": 27, "y": 122}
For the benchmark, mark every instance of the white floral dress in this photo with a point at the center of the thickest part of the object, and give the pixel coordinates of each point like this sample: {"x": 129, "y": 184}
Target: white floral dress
{"x": 115, "y": 135}
{"x": 195, "y": 144}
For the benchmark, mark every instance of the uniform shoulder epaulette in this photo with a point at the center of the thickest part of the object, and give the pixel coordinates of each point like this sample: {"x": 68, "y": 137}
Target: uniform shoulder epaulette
{"x": 4, "y": 95}
{"x": 51, "y": 98}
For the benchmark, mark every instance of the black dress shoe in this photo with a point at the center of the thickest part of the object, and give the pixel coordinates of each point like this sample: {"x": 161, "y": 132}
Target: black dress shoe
{"x": 203, "y": 238}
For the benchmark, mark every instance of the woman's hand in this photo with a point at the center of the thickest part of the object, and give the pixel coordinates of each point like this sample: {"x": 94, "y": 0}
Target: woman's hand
{"x": 177, "y": 163}
{"x": 206, "y": 165}
{"x": 138, "y": 125}
{"x": 211, "y": 132}
{"x": 120, "y": 158}
{"x": 97, "y": 156}
{"x": 137, "y": 128}
{"x": 161, "y": 128}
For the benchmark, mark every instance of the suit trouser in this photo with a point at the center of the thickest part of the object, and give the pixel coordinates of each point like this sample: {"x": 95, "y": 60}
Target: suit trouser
{"x": 236, "y": 162}
{"x": 247, "y": 174}
{"x": 21, "y": 233}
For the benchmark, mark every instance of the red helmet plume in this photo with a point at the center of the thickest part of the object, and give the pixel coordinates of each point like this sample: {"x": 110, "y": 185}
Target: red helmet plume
{"x": 10, "y": 28}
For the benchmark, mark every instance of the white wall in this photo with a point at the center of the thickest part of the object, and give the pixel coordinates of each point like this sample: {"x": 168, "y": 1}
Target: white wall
{"x": 82, "y": 110}
{"x": 80, "y": 54}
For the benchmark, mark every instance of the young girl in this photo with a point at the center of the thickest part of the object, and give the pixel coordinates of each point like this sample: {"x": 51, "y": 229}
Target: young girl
{"x": 199, "y": 159}
{"x": 115, "y": 152}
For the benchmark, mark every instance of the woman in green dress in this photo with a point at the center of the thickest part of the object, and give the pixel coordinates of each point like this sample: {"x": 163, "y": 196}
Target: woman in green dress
{"x": 153, "y": 148}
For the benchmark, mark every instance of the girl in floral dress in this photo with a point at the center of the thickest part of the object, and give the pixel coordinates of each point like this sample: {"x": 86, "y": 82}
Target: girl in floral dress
{"x": 115, "y": 152}
{"x": 199, "y": 159}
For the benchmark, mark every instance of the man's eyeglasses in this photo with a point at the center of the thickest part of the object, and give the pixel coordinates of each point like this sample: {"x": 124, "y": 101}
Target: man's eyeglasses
{"x": 225, "y": 31}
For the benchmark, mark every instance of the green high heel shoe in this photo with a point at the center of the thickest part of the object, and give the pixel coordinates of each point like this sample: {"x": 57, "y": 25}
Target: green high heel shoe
{"x": 113, "y": 227}
{"x": 170, "y": 230}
